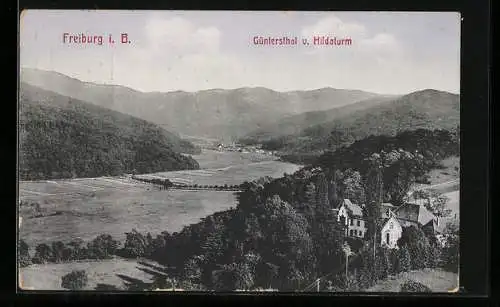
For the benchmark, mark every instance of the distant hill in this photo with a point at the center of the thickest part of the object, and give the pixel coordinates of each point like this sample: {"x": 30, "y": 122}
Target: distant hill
{"x": 61, "y": 137}
{"x": 217, "y": 113}
{"x": 428, "y": 109}
{"x": 295, "y": 124}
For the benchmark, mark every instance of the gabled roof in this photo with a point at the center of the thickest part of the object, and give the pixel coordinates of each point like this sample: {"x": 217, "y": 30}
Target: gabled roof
{"x": 414, "y": 213}
{"x": 352, "y": 209}
{"x": 437, "y": 225}
{"x": 431, "y": 225}
{"x": 386, "y": 220}
{"x": 385, "y": 209}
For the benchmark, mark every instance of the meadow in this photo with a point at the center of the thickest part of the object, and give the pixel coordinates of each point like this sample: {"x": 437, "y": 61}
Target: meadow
{"x": 102, "y": 272}
{"x": 88, "y": 207}
{"x": 437, "y": 280}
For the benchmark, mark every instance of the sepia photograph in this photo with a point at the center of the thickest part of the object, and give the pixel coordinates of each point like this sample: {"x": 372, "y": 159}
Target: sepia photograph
{"x": 239, "y": 151}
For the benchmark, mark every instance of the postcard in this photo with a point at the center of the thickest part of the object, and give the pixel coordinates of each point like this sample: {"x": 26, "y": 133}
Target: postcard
{"x": 239, "y": 151}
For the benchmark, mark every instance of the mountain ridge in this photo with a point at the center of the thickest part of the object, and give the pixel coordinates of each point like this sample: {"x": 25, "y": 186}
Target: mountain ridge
{"x": 223, "y": 114}
{"x": 38, "y": 70}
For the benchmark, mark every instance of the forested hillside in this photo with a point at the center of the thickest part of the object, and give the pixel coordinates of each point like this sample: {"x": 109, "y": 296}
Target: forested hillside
{"x": 428, "y": 109}
{"x": 60, "y": 137}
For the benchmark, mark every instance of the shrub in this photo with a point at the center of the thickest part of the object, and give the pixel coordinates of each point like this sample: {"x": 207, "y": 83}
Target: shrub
{"x": 450, "y": 251}
{"x": 413, "y": 286}
{"x": 76, "y": 280}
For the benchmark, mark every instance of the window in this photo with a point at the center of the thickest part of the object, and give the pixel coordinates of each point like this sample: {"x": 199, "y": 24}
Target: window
{"x": 350, "y": 233}
{"x": 387, "y": 237}
{"x": 360, "y": 233}
{"x": 391, "y": 226}
{"x": 359, "y": 223}
{"x": 352, "y": 222}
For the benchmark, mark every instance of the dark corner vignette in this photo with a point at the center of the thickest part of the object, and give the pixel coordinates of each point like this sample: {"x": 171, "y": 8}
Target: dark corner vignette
{"x": 476, "y": 173}
{"x": 474, "y": 177}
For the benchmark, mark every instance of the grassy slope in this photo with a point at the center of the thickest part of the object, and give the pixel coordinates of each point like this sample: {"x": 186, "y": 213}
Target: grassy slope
{"x": 450, "y": 171}
{"x": 436, "y": 280}
{"x": 48, "y": 276}
{"x": 62, "y": 137}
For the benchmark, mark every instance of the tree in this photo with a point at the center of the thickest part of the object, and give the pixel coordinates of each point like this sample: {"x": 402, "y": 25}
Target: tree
{"x": 23, "y": 255}
{"x": 400, "y": 171}
{"x": 192, "y": 270}
{"x": 450, "y": 252}
{"x": 290, "y": 246}
{"x": 374, "y": 186}
{"x": 267, "y": 272}
{"x": 58, "y": 251}
{"x": 352, "y": 186}
{"x": 333, "y": 194}
{"x": 418, "y": 245}
{"x": 386, "y": 265}
{"x": 135, "y": 244}
{"x": 253, "y": 230}
{"x": 347, "y": 251}
{"x": 234, "y": 276}
{"x": 404, "y": 259}
{"x": 76, "y": 280}
{"x": 310, "y": 196}
{"x": 103, "y": 246}
{"x": 322, "y": 192}
{"x": 75, "y": 250}
{"x": 43, "y": 253}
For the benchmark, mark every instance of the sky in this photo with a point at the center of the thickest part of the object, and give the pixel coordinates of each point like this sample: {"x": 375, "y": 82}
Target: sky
{"x": 391, "y": 52}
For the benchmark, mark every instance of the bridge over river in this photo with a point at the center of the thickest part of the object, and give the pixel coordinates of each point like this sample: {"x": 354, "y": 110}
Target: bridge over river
{"x": 166, "y": 184}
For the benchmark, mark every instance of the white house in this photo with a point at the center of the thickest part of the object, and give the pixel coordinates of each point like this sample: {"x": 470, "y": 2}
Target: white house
{"x": 351, "y": 215}
{"x": 394, "y": 219}
{"x": 406, "y": 215}
{"x": 391, "y": 232}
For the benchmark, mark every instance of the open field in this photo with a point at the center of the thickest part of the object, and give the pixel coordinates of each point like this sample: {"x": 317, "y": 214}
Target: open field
{"x": 88, "y": 207}
{"x": 116, "y": 209}
{"x": 213, "y": 159}
{"x": 437, "y": 280}
{"x": 450, "y": 171}
{"x": 235, "y": 174}
{"x": 48, "y": 276}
